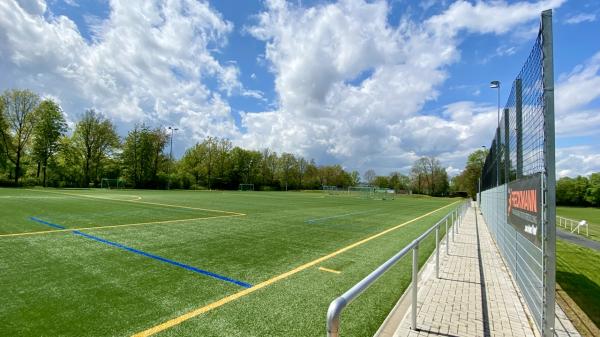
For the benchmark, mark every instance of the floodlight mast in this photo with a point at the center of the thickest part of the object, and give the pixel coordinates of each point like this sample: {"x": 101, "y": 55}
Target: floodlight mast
{"x": 170, "y": 157}
{"x": 496, "y": 85}
{"x": 480, "y": 175}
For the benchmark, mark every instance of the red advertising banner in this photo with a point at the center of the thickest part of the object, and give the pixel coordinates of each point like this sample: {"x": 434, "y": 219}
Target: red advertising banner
{"x": 524, "y": 209}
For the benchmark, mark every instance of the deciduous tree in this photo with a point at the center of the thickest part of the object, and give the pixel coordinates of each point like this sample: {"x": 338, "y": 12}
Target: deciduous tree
{"x": 19, "y": 114}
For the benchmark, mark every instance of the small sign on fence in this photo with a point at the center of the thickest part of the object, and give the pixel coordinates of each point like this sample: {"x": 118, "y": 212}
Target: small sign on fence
{"x": 525, "y": 207}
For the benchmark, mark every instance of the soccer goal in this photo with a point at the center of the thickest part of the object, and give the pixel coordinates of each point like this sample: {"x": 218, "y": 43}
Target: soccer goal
{"x": 361, "y": 191}
{"x": 109, "y": 183}
{"x": 331, "y": 190}
{"x": 246, "y": 187}
{"x": 384, "y": 194}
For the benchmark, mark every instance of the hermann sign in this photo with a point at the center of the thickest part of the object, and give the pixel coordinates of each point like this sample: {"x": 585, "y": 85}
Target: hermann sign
{"x": 525, "y": 207}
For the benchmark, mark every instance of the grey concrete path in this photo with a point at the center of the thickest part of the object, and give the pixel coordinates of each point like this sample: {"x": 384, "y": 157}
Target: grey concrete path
{"x": 577, "y": 239}
{"x": 474, "y": 296}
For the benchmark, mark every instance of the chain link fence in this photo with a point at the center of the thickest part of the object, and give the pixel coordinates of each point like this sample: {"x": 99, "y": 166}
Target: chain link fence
{"x": 517, "y": 193}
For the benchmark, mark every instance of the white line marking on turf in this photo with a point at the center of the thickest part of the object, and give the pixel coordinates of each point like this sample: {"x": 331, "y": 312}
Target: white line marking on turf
{"x": 339, "y": 216}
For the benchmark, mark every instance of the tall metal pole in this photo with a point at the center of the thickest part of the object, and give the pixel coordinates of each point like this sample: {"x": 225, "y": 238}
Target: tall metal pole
{"x": 549, "y": 224}
{"x": 170, "y": 158}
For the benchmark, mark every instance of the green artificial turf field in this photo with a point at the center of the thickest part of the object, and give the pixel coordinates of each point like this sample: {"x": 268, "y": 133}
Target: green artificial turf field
{"x": 242, "y": 263}
{"x": 578, "y": 273}
{"x": 589, "y": 214}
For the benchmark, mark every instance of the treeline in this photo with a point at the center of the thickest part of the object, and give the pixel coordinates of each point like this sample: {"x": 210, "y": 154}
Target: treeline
{"x": 579, "y": 191}
{"x": 37, "y": 148}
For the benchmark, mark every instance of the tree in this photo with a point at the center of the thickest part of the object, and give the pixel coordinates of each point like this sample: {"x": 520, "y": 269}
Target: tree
{"x": 302, "y": 169}
{"x": 286, "y": 163}
{"x": 3, "y": 130}
{"x": 370, "y": 176}
{"x": 95, "y": 137}
{"x": 354, "y": 178}
{"x": 399, "y": 181}
{"x": 468, "y": 180}
{"x": 50, "y": 127}
{"x": 143, "y": 156}
{"x": 419, "y": 175}
{"x": 381, "y": 181}
{"x": 572, "y": 191}
{"x": 191, "y": 162}
{"x": 19, "y": 115}
{"x": 429, "y": 176}
{"x": 592, "y": 194}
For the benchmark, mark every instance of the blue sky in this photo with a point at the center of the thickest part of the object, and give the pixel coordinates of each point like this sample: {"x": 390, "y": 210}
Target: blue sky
{"x": 367, "y": 84}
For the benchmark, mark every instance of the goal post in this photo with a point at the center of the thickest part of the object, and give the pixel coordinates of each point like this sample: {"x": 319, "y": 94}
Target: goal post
{"x": 361, "y": 191}
{"x": 384, "y": 194}
{"x": 246, "y": 187}
{"x": 110, "y": 183}
{"x": 331, "y": 190}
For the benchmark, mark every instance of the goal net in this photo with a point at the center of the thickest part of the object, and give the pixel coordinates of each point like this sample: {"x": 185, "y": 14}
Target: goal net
{"x": 361, "y": 191}
{"x": 331, "y": 190}
{"x": 109, "y": 183}
{"x": 383, "y": 194}
{"x": 246, "y": 187}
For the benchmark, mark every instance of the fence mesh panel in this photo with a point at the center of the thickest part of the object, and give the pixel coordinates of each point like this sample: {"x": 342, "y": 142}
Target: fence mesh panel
{"x": 520, "y": 150}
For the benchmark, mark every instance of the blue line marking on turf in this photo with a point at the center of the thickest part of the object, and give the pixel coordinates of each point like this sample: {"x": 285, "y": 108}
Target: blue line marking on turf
{"x": 47, "y": 223}
{"x": 152, "y": 256}
{"x": 338, "y": 216}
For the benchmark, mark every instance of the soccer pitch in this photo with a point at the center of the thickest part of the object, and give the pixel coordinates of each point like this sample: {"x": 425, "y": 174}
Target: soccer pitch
{"x": 184, "y": 263}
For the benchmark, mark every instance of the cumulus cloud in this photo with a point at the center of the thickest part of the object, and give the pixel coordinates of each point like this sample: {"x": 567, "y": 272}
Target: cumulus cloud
{"x": 581, "y": 17}
{"x": 577, "y": 160}
{"x": 351, "y": 86}
{"x": 147, "y": 62}
{"x": 574, "y": 93}
{"x": 496, "y": 17}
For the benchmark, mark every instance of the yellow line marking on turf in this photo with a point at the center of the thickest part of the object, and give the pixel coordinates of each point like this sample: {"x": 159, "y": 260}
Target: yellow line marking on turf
{"x": 191, "y": 314}
{"x": 116, "y": 226}
{"x": 330, "y": 270}
{"x": 140, "y": 202}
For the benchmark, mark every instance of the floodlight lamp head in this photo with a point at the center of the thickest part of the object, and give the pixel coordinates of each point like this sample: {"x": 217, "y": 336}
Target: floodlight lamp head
{"x": 495, "y": 84}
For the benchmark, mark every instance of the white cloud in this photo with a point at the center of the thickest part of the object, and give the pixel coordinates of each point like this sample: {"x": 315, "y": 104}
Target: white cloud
{"x": 351, "y": 86}
{"x": 496, "y": 17}
{"x": 147, "y": 62}
{"x": 581, "y": 17}
{"x": 574, "y": 93}
{"x": 577, "y": 160}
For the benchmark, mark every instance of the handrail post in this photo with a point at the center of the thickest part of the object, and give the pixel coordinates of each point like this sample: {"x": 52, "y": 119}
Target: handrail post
{"x": 452, "y": 226}
{"x": 447, "y": 240}
{"x": 437, "y": 251}
{"x": 415, "y": 271}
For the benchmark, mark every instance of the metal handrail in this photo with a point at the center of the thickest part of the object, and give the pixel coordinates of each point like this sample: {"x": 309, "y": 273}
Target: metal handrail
{"x": 566, "y": 221}
{"x": 339, "y": 304}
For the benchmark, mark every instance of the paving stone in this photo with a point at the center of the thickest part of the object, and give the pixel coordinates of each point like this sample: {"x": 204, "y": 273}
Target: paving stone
{"x": 452, "y": 305}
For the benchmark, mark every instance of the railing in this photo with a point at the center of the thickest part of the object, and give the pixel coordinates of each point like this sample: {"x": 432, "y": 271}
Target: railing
{"x": 337, "y": 306}
{"x": 564, "y": 222}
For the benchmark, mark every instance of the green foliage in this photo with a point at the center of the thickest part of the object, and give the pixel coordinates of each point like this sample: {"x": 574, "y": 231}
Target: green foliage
{"x": 94, "y": 151}
{"x": 51, "y": 125}
{"x": 19, "y": 119}
{"x": 381, "y": 182}
{"x": 142, "y": 156}
{"x": 579, "y": 191}
{"x": 94, "y": 139}
{"x": 429, "y": 177}
{"x": 592, "y": 195}
{"x": 468, "y": 180}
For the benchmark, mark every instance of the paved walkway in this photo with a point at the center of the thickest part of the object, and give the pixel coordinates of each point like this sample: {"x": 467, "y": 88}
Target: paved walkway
{"x": 577, "y": 239}
{"x": 474, "y": 295}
